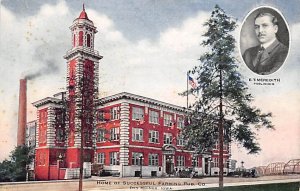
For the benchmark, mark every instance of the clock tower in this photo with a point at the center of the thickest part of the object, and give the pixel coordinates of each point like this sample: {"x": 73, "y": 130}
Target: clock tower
{"x": 82, "y": 91}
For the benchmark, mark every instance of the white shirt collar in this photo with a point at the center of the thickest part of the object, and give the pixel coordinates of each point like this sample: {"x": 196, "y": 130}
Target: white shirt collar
{"x": 267, "y": 44}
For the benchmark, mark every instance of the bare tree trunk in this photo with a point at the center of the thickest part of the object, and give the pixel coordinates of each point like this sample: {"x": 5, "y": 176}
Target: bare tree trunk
{"x": 221, "y": 136}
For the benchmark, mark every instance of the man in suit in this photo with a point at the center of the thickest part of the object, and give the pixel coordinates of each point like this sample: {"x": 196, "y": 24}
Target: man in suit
{"x": 267, "y": 57}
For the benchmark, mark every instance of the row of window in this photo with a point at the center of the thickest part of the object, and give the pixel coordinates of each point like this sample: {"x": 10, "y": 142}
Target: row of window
{"x": 88, "y": 39}
{"x": 215, "y": 163}
{"x": 225, "y": 146}
{"x": 138, "y": 114}
{"x": 137, "y": 159}
{"x": 138, "y": 135}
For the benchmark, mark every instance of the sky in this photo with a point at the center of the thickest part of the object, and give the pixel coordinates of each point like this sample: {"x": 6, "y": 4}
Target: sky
{"x": 147, "y": 48}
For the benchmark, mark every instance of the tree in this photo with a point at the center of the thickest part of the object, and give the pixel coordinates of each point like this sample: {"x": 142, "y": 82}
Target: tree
{"x": 15, "y": 168}
{"x": 223, "y": 101}
{"x": 6, "y": 171}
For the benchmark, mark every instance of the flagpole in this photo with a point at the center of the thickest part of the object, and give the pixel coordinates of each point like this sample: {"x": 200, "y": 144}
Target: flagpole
{"x": 187, "y": 90}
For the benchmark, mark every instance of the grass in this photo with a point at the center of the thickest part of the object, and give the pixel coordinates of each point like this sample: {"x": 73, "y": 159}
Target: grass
{"x": 291, "y": 186}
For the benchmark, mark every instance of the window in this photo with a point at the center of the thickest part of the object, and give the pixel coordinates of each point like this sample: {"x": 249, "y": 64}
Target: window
{"x": 153, "y": 117}
{"x": 153, "y": 136}
{"x": 168, "y": 120}
{"x": 137, "y": 134}
{"x": 215, "y": 162}
{"x": 59, "y": 135}
{"x": 101, "y": 158}
{"x": 167, "y": 138}
{"x": 180, "y": 140}
{"x": 195, "y": 161}
{"x": 114, "y": 113}
{"x": 113, "y": 156}
{"x": 180, "y": 161}
{"x": 74, "y": 40}
{"x": 226, "y": 163}
{"x": 101, "y": 117}
{"x": 136, "y": 158}
{"x": 225, "y": 145}
{"x": 31, "y": 131}
{"x": 180, "y": 122}
{"x": 114, "y": 134}
{"x": 153, "y": 159}
{"x": 100, "y": 135}
{"x": 80, "y": 38}
{"x": 137, "y": 113}
{"x": 88, "y": 40}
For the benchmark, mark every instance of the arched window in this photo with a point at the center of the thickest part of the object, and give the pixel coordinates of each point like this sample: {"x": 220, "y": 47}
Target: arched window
{"x": 74, "y": 40}
{"x": 80, "y": 38}
{"x": 88, "y": 40}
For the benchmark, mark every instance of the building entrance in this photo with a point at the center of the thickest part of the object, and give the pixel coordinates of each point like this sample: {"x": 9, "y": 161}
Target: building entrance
{"x": 169, "y": 164}
{"x": 168, "y": 159}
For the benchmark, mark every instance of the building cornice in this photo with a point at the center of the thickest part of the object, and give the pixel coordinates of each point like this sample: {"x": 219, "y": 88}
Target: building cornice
{"x": 130, "y": 96}
{"x": 83, "y": 23}
{"x": 80, "y": 50}
{"x": 47, "y": 100}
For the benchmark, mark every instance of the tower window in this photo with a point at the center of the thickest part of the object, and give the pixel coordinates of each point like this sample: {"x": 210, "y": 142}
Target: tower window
{"x": 74, "y": 40}
{"x": 88, "y": 40}
{"x": 80, "y": 38}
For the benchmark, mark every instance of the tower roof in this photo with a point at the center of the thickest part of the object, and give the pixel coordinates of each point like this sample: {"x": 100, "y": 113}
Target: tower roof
{"x": 83, "y": 14}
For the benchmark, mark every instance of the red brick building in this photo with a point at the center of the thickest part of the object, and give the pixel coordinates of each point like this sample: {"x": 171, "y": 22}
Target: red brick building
{"x": 134, "y": 130}
{"x": 125, "y": 133}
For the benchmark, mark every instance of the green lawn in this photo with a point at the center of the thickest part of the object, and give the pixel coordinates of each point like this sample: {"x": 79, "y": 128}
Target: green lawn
{"x": 292, "y": 186}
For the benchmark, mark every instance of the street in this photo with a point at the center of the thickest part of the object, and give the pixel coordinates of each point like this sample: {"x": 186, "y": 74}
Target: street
{"x": 134, "y": 183}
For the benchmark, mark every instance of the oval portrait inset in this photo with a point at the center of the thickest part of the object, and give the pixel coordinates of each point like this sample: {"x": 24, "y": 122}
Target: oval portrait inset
{"x": 264, "y": 40}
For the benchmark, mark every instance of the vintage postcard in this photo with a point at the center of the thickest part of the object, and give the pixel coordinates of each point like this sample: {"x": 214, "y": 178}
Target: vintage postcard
{"x": 149, "y": 95}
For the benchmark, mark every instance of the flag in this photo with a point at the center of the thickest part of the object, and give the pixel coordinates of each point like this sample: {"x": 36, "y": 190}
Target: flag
{"x": 192, "y": 82}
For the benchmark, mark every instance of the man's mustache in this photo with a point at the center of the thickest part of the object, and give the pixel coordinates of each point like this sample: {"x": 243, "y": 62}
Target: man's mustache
{"x": 261, "y": 34}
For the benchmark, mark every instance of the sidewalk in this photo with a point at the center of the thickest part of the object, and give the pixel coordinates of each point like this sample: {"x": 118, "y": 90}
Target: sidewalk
{"x": 135, "y": 183}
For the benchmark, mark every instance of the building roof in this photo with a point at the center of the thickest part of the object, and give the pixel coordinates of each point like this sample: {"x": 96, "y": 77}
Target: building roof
{"x": 83, "y": 14}
{"x": 83, "y": 21}
{"x": 130, "y": 96}
{"x": 115, "y": 97}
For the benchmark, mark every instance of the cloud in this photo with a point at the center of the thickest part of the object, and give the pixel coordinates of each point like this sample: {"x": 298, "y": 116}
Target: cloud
{"x": 159, "y": 65}
{"x": 31, "y": 46}
{"x": 37, "y": 44}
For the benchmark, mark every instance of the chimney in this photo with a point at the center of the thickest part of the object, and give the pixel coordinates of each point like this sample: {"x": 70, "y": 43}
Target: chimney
{"x": 22, "y": 113}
